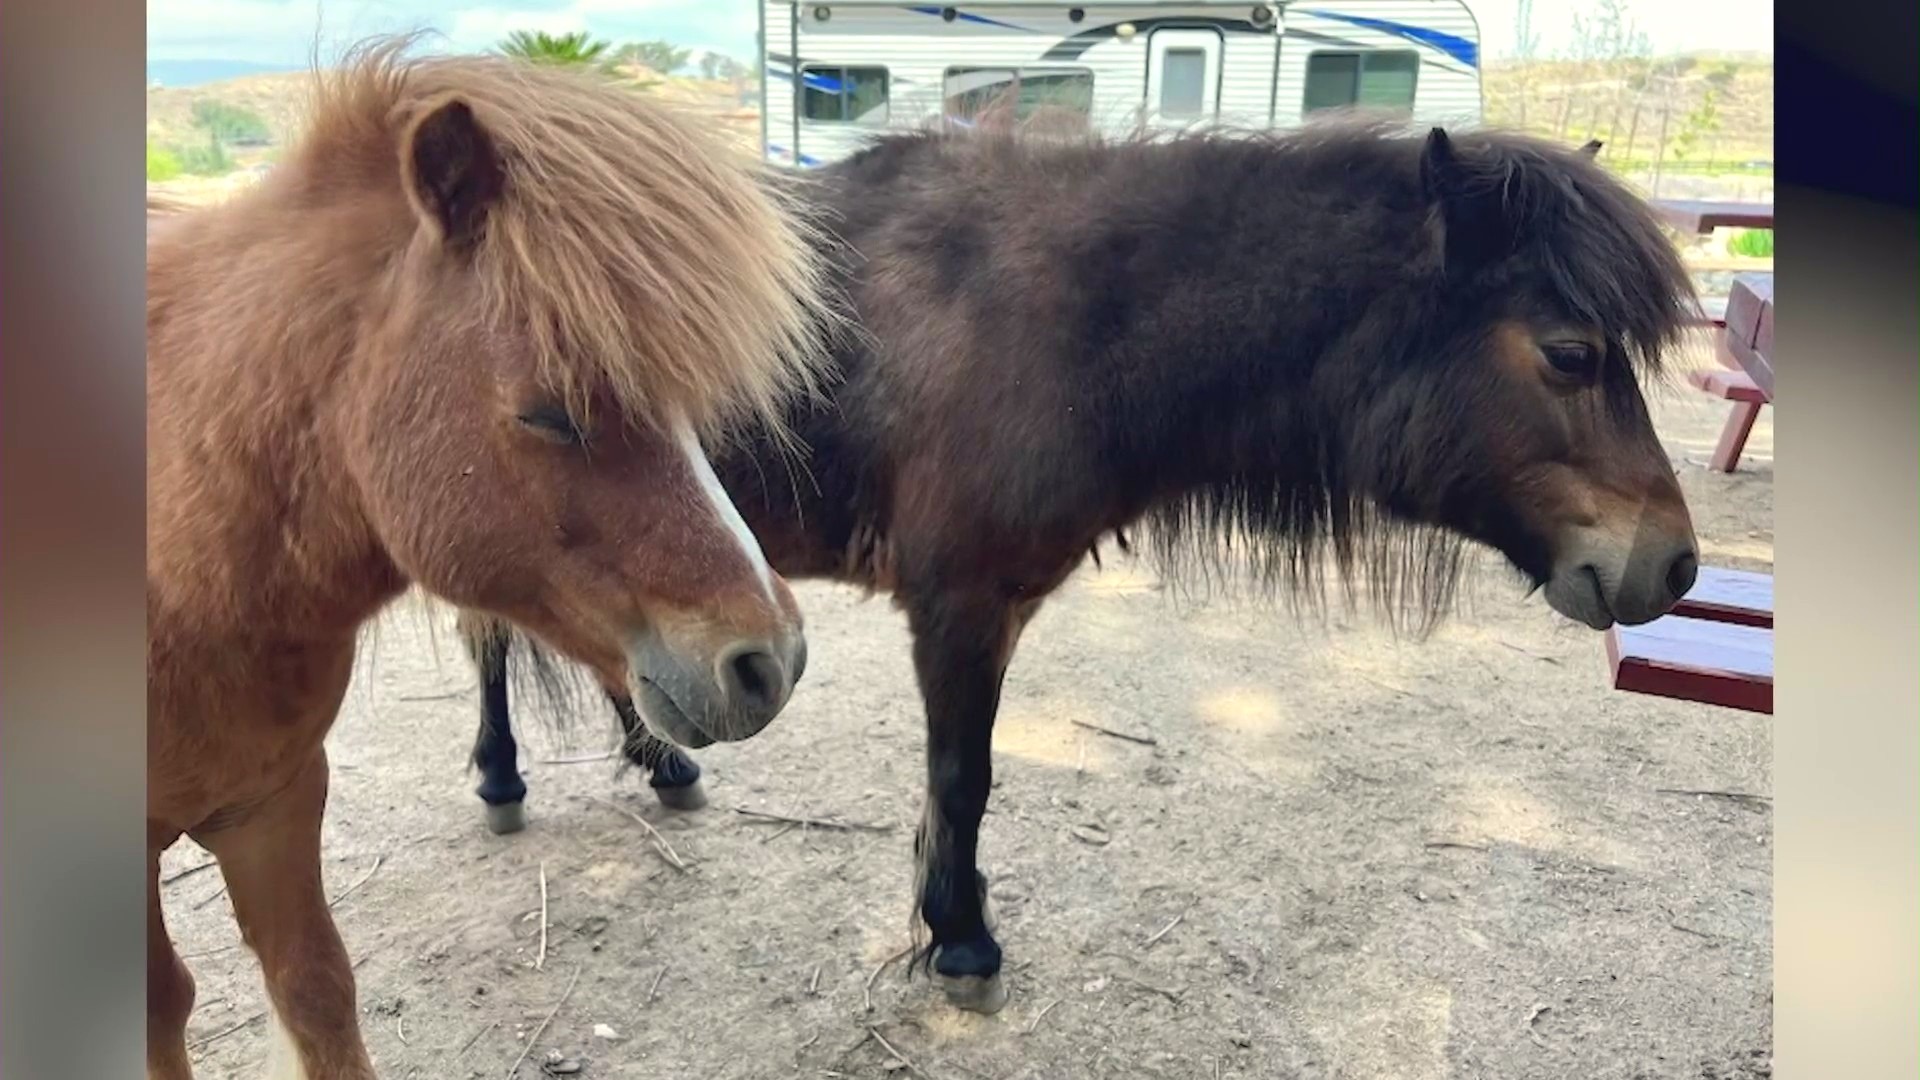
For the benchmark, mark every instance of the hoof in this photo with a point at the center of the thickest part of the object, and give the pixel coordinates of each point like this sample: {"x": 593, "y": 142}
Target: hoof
{"x": 503, "y": 818}
{"x": 975, "y": 993}
{"x": 685, "y": 797}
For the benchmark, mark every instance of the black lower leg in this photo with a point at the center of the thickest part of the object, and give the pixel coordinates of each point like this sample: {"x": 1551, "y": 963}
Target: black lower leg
{"x": 495, "y": 753}
{"x": 960, "y": 655}
{"x": 668, "y": 770}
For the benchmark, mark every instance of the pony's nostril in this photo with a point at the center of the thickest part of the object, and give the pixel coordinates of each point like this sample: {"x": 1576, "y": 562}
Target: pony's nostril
{"x": 1681, "y": 574}
{"x": 753, "y": 679}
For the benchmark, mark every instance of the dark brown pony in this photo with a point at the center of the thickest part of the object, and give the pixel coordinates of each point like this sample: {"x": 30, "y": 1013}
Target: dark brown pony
{"x": 1337, "y": 355}
{"x": 468, "y": 337}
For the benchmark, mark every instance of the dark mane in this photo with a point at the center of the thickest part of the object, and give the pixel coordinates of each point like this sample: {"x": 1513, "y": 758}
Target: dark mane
{"x": 1597, "y": 240}
{"x": 1603, "y": 248}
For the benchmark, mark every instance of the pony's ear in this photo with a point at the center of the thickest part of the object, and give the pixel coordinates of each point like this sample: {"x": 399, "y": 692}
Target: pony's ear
{"x": 1437, "y": 165}
{"x": 452, "y": 170}
{"x": 1471, "y": 207}
{"x": 1592, "y": 148}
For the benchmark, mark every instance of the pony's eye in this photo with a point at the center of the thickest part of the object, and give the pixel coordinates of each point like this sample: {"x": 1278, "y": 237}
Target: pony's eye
{"x": 1576, "y": 360}
{"x": 551, "y": 421}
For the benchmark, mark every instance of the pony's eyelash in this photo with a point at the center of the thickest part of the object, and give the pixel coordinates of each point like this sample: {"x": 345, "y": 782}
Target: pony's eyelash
{"x": 552, "y": 419}
{"x": 1576, "y": 361}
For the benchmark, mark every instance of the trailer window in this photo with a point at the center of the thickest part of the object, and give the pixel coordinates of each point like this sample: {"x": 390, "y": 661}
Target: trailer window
{"x": 1373, "y": 80}
{"x": 848, "y": 95}
{"x": 1031, "y": 93}
{"x": 1183, "y": 82}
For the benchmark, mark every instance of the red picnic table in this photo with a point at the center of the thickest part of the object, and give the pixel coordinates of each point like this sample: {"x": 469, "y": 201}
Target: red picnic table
{"x": 1715, "y": 647}
{"x": 1703, "y": 216}
{"x": 1745, "y": 375}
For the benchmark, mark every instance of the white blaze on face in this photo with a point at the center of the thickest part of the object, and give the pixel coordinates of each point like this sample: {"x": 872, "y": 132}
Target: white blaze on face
{"x": 723, "y": 507}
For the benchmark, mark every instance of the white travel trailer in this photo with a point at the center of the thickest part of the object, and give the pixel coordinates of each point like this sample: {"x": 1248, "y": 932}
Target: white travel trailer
{"x": 836, "y": 72}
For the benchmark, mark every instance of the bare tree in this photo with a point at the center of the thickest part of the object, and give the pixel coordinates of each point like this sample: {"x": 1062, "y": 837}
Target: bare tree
{"x": 738, "y": 75}
{"x": 1720, "y": 83}
{"x": 1525, "y": 45}
{"x": 1633, "y": 59}
{"x": 1634, "y": 49}
{"x": 1702, "y": 122}
{"x": 1570, "y": 83}
{"x": 1611, "y": 28}
{"x": 1667, "y": 83}
{"x": 661, "y": 56}
{"x": 1640, "y": 81}
{"x": 1596, "y": 40}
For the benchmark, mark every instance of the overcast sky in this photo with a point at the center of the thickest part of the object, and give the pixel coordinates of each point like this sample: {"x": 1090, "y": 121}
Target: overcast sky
{"x": 283, "y": 31}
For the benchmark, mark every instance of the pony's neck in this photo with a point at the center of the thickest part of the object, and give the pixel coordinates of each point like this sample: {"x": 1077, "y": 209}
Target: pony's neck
{"x": 254, "y": 317}
{"x": 1263, "y": 383}
{"x": 1264, "y": 408}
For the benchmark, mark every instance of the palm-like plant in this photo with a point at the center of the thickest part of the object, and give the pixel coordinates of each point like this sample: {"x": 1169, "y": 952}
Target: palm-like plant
{"x": 540, "y": 47}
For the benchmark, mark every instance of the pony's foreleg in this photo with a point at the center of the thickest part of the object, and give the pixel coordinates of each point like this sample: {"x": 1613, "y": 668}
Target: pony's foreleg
{"x": 961, "y": 646}
{"x": 169, "y": 986}
{"x": 495, "y": 753}
{"x": 271, "y": 861}
{"x": 674, "y": 777}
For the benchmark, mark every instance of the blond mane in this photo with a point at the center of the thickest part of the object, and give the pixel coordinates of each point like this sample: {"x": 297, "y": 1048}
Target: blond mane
{"x": 646, "y": 257}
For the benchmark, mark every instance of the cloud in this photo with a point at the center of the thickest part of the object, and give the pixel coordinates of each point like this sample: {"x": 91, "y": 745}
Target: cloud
{"x": 477, "y": 28}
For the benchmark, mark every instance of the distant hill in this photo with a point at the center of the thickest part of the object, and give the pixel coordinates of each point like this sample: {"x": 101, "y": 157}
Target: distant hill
{"x": 280, "y": 98}
{"x": 1717, "y": 107}
{"x": 182, "y": 73}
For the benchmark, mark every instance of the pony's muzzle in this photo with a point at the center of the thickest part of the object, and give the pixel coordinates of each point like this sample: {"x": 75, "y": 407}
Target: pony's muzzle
{"x": 756, "y": 679}
{"x": 723, "y": 695}
{"x": 1600, "y": 581}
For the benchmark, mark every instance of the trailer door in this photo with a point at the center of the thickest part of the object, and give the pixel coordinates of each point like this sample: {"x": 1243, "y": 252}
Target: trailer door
{"x": 1183, "y": 76}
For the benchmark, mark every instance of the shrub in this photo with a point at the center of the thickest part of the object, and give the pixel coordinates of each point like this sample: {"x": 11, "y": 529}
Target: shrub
{"x": 661, "y": 56}
{"x": 161, "y": 163}
{"x": 209, "y": 160}
{"x": 231, "y": 123}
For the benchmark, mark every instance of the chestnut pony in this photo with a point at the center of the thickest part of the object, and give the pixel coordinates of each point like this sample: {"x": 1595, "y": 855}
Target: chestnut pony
{"x": 470, "y": 337}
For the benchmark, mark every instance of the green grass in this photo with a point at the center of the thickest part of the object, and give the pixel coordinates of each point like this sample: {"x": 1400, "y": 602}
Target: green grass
{"x": 1674, "y": 167}
{"x": 1751, "y": 243}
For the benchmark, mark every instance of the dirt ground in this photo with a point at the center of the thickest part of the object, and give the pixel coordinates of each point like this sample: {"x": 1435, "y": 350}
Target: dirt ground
{"x": 1342, "y": 856}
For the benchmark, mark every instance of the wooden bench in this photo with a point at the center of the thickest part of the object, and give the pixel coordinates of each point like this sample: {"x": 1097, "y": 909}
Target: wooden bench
{"x": 1739, "y": 388}
{"x": 1715, "y": 647}
{"x": 1745, "y": 375}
